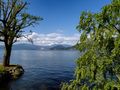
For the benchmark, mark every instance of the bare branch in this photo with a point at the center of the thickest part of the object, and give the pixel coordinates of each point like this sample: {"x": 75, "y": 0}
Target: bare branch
{"x": 29, "y": 39}
{"x": 13, "y": 4}
{"x": 14, "y": 15}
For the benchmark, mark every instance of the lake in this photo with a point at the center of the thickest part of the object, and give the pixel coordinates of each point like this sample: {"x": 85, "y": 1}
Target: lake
{"x": 44, "y": 70}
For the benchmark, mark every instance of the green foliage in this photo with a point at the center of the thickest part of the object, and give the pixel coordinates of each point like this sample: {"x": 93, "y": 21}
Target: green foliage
{"x": 99, "y": 66}
{"x": 2, "y": 69}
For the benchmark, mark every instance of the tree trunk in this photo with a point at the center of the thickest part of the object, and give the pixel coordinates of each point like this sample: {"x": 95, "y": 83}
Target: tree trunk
{"x": 7, "y": 54}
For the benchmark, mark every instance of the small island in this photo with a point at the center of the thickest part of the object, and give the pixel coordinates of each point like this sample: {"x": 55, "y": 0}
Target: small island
{"x": 12, "y": 72}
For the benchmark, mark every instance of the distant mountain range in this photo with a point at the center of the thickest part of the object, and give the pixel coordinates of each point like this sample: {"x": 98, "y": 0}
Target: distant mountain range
{"x": 37, "y": 47}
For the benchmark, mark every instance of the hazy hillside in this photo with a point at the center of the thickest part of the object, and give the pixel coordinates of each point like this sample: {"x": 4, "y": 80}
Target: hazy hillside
{"x": 37, "y": 47}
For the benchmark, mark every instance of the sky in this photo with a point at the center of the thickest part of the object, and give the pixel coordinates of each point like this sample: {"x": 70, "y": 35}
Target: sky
{"x": 60, "y": 19}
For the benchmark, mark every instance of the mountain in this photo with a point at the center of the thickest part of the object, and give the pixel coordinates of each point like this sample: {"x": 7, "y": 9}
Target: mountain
{"x": 37, "y": 47}
{"x": 27, "y": 47}
{"x": 61, "y": 47}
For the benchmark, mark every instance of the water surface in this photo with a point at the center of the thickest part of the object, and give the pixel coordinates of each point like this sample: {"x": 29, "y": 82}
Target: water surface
{"x": 44, "y": 70}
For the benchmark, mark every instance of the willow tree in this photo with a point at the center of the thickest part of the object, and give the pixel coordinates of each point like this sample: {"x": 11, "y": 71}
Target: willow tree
{"x": 13, "y": 20}
{"x": 98, "y": 68}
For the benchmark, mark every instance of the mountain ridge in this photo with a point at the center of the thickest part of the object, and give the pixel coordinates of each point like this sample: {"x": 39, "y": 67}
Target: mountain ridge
{"x": 38, "y": 47}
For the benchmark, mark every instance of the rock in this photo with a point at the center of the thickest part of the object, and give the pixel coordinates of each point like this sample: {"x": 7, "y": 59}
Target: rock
{"x": 12, "y": 72}
{"x": 15, "y": 71}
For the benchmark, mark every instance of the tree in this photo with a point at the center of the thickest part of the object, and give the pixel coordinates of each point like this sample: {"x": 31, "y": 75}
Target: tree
{"x": 13, "y": 19}
{"x": 98, "y": 68}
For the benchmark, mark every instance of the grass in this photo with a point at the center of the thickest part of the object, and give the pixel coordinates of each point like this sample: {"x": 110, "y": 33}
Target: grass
{"x": 2, "y": 69}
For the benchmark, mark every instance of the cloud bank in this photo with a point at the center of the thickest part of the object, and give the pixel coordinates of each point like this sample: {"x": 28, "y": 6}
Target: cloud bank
{"x": 51, "y": 38}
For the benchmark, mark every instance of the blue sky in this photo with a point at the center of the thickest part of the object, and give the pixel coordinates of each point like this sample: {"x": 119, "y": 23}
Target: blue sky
{"x": 60, "y": 17}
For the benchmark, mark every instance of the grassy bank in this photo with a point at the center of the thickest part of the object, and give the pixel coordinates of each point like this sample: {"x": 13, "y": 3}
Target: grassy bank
{"x": 2, "y": 69}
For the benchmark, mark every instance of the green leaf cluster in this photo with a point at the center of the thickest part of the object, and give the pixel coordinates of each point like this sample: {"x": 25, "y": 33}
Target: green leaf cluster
{"x": 98, "y": 68}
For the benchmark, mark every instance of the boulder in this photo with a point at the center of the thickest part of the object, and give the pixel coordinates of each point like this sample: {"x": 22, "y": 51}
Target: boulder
{"x": 15, "y": 71}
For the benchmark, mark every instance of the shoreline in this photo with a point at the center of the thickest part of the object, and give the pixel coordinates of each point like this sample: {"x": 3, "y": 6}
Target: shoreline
{"x": 12, "y": 72}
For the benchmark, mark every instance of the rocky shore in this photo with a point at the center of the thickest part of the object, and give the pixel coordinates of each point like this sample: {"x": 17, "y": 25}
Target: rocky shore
{"x": 12, "y": 72}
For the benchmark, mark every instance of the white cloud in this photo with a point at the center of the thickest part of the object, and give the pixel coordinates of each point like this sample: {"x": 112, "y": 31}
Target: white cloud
{"x": 52, "y": 38}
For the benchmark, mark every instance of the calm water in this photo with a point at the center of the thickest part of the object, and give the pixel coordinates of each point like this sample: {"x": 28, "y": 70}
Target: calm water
{"x": 44, "y": 70}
